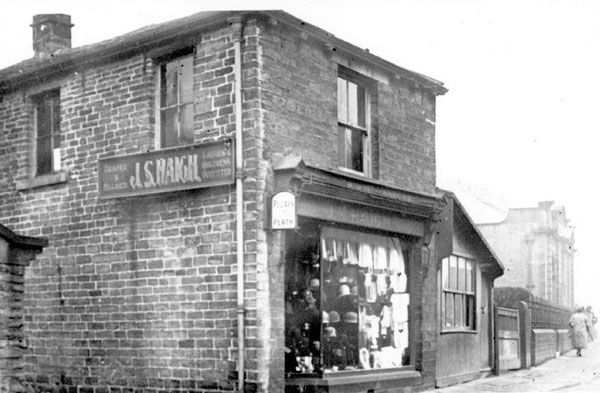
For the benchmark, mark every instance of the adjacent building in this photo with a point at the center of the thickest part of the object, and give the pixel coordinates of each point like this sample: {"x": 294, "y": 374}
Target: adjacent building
{"x": 235, "y": 201}
{"x": 536, "y": 246}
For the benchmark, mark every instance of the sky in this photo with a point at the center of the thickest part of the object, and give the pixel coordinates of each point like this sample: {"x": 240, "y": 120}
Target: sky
{"x": 523, "y": 78}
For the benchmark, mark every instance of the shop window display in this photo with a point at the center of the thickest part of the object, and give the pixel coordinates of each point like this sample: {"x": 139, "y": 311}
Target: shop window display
{"x": 347, "y": 302}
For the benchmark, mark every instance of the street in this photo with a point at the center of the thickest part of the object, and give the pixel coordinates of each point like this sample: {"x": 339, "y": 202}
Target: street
{"x": 567, "y": 373}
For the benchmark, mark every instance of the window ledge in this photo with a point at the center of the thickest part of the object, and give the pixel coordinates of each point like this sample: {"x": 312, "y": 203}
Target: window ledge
{"x": 359, "y": 376}
{"x": 459, "y": 330}
{"x": 44, "y": 180}
{"x": 348, "y": 171}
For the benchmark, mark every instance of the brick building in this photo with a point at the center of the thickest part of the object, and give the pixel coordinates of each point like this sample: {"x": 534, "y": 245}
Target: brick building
{"x": 149, "y": 160}
{"x": 536, "y": 246}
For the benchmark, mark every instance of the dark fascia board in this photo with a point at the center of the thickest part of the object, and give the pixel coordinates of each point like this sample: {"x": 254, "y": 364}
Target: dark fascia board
{"x": 22, "y": 241}
{"x": 325, "y": 182}
{"x": 145, "y": 39}
{"x": 469, "y": 221}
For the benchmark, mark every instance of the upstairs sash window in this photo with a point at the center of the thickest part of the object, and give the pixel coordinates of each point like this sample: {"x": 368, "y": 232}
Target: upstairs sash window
{"x": 353, "y": 124}
{"x": 176, "y": 102}
{"x": 47, "y": 132}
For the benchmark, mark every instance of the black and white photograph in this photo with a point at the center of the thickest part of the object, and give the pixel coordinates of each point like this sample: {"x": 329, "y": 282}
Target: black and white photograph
{"x": 299, "y": 196}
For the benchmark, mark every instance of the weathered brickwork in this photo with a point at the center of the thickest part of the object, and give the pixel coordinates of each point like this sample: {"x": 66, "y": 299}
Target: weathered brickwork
{"x": 300, "y": 100}
{"x": 140, "y": 293}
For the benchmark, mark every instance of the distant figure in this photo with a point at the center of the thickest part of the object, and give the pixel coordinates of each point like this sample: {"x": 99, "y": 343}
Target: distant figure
{"x": 592, "y": 321}
{"x": 579, "y": 330}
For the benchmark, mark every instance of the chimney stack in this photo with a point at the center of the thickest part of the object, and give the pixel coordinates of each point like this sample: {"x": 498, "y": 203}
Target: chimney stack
{"x": 51, "y": 33}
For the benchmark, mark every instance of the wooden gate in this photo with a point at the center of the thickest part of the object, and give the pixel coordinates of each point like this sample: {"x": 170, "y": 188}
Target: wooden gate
{"x": 508, "y": 354}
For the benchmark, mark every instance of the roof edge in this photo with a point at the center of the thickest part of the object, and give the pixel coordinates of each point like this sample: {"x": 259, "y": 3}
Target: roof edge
{"x": 133, "y": 43}
{"x": 475, "y": 228}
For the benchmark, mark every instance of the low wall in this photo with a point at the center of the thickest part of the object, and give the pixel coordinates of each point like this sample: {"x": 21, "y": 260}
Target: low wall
{"x": 544, "y": 345}
{"x": 563, "y": 342}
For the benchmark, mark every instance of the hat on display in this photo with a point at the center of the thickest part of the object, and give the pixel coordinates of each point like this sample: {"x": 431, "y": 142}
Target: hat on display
{"x": 325, "y": 317}
{"x": 329, "y": 332}
{"x": 334, "y": 317}
{"x": 351, "y": 317}
{"x": 343, "y": 290}
{"x": 314, "y": 283}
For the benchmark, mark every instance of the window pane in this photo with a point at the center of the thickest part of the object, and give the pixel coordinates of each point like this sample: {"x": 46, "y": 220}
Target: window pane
{"x": 342, "y": 101}
{"x": 452, "y": 273}
{"x": 470, "y": 310}
{"x": 44, "y": 117}
{"x": 461, "y": 274}
{"x": 56, "y": 121}
{"x": 186, "y": 123}
{"x": 458, "y": 311}
{"x": 341, "y": 136}
{"x": 186, "y": 82}
{"x": 44, "y": 155}
{"x": 352, "y": 104}
{"x": 445, "y": 273}
{"x": 362, "y": 107}
{"x": 470, "y": 277}
{"x": 168, "y": 126}
{"x": 357, "y": 151}
{"x": 168, "y": 88}
{"x": 449, "y": 309}
{"x": 348, "y": 148}
{"x": 443, "y": 309}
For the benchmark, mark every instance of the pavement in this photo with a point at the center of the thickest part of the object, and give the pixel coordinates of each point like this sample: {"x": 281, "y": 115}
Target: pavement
{"x": 567, "y": 373}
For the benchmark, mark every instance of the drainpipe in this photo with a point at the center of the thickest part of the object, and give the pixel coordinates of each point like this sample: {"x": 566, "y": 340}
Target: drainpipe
{"x": 236, "y": 25}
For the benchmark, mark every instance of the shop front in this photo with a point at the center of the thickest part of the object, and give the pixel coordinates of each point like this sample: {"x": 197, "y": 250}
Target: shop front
{"x": 353, "y": 282}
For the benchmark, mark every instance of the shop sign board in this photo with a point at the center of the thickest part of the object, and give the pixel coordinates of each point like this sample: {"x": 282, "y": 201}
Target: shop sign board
{"x": 283, "y": 210}
{"x": 181, "y": 168}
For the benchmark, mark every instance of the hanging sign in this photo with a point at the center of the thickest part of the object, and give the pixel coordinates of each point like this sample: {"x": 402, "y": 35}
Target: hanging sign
{"x": 283, "y": 210}
{"x": 182, "y": 168}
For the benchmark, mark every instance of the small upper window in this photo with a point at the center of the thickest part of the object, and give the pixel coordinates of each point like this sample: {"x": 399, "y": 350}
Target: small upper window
{"x": 176, "y": 102}
{"x": 353, "y": 123}
{"x": 47, "y": 155}
{"x": 458, "y": 293}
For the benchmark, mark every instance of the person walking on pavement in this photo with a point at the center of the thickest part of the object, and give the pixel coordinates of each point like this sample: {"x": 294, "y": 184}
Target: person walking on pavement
{"x": 579, "y": 330}
{"x": 592, "y": 321}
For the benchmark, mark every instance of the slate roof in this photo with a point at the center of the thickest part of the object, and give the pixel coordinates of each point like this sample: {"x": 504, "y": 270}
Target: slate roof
{"x": 37, "y": 70}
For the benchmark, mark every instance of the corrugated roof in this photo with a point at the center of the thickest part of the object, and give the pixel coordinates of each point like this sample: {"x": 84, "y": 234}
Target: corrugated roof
{"x": 140, "y": 41}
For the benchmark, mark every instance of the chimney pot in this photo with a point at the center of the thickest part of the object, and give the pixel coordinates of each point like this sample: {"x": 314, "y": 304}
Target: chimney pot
{"x": 51, "y": 33}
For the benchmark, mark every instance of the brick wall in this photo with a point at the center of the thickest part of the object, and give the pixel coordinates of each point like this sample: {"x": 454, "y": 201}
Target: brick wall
{"x": 300, "y": 99}
{"x": 138, "y": 292}
{"x": 544, "y": 345}
{"x": 563, "y": 341}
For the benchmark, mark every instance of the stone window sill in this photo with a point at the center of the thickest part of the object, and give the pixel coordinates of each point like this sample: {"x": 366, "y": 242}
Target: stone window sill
{"x": 41, "y": 181}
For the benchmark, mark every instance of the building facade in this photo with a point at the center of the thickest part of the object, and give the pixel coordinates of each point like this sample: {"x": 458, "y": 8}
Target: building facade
{"x": 162, "y": 167}
{"x": 536, "y": 246}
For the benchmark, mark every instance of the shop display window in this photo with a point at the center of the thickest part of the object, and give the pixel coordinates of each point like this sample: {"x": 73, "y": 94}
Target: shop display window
{"x": 347, "y": 302}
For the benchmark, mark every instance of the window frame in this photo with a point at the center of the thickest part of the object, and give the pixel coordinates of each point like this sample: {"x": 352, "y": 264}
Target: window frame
{"x": 464, "y": 294}
{"x": 159, "y": 62}
{"x": 368, "y": 85}
{"x": 38, "y": 99}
